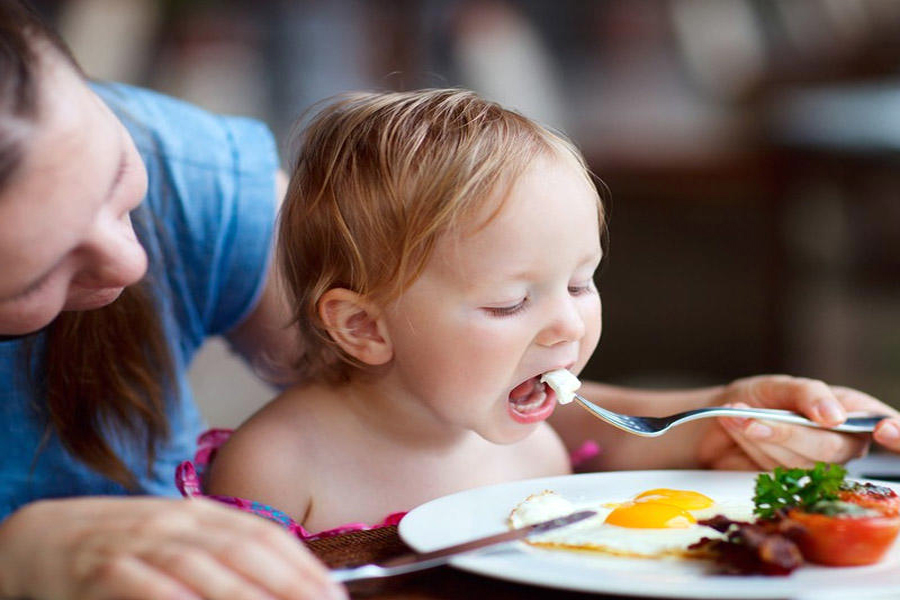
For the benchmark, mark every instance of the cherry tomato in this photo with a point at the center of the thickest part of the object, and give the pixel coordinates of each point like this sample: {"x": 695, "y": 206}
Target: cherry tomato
{"x": 842, "y": 541}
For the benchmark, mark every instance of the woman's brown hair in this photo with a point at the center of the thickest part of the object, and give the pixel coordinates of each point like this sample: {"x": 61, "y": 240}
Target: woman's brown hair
{"x": 377, "y": 179}
{"x": 103, "y": 370}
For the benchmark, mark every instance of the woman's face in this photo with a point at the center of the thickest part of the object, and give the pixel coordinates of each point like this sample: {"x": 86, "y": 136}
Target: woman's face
{"x": 66, "y": 239}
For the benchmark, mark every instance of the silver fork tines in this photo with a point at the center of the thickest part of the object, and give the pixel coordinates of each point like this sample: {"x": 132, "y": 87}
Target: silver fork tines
{"x": 656, "y": 426}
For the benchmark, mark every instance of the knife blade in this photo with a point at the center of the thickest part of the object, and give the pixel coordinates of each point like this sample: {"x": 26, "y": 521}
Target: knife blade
{"x": 418, "y": 561}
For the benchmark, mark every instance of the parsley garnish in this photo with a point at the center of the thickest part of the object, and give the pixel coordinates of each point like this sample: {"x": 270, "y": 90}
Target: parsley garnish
{"x": 801, "y": 488}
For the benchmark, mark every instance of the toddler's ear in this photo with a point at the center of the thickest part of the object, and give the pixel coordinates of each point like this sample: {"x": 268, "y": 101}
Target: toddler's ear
{"x": 356, "y": 325}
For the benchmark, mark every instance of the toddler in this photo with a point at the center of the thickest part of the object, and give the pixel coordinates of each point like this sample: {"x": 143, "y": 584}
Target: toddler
{"x": 439, "y": 252}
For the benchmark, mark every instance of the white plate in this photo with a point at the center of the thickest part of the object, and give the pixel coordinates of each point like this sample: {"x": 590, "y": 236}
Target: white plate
{"x": 483, "y": 511}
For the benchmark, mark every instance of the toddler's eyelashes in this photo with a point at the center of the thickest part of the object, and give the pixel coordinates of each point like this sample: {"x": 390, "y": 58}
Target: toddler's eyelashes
{"x": 505, "y": 311}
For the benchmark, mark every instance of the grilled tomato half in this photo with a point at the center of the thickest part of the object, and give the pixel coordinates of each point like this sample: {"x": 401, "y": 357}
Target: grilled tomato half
{"x": 840, "y": 536}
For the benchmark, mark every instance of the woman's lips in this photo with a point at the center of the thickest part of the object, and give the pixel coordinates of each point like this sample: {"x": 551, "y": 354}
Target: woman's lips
{"x": 531, "y": 401}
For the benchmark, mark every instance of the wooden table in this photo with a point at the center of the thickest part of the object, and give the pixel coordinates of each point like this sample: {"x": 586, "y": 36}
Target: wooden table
{"x": 446, "y": 583}
{"x": 442, "y": 583}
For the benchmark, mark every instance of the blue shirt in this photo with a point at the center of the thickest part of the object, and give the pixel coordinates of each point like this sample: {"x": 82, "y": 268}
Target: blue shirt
{"x": 207, "y": 225}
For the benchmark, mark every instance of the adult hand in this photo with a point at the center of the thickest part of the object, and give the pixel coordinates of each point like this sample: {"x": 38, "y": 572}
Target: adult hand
{"x": 887, "y": 433}
{"x": 130, "y": 548}
{"x": 763, "y": 445}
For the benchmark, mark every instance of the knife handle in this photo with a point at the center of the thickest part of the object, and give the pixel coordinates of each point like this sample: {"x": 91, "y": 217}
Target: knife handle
{"x": 409, "y": 563}
{"x": 372, "y": 571}
{"x": 347, "y": 574}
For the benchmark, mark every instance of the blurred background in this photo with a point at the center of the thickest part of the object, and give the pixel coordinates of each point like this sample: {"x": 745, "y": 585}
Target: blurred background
{"x": 751, "y": 149}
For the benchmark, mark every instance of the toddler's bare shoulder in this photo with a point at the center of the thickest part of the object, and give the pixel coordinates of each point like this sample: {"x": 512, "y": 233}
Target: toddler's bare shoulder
{"x": 274, "y": 446}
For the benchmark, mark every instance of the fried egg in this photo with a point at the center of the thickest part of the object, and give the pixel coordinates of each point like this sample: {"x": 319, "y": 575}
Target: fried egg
{"x": 655, "y": 523}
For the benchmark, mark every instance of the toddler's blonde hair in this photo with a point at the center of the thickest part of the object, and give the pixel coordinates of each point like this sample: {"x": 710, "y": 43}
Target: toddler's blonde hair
{"x": 377, "y": 179}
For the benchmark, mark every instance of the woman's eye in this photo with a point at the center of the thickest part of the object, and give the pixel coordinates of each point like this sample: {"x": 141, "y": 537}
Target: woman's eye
{"x": 505, "y": 311}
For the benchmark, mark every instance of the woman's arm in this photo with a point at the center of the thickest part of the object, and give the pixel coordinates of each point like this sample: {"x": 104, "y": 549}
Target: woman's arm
{"x": 96, "y": 547}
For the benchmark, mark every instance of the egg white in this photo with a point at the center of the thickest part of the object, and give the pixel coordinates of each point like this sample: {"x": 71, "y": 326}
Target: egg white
{"x": 594, "y": 535}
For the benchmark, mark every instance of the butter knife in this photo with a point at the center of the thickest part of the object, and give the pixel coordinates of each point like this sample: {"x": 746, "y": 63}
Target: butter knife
{"x": 415, "y": 561}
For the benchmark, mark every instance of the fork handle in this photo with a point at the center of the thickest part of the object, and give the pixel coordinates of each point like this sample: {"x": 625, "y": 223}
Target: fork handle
{"x": 858, "y": 424}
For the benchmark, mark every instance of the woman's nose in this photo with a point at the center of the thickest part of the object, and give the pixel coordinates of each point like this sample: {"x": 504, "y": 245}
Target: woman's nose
{"x": 113, "y": 256}
{"x": 565, "y": 325}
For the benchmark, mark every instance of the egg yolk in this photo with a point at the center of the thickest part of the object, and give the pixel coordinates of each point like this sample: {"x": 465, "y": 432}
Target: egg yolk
{"x": 650, "y": 515}
{"x": 684, "y": 499}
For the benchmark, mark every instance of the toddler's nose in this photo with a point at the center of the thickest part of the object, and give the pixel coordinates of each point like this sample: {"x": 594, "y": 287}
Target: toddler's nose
{"x": 565, "y": 325}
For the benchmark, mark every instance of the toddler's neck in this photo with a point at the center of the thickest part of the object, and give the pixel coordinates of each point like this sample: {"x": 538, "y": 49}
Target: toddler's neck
{"x": 391, "y": 412}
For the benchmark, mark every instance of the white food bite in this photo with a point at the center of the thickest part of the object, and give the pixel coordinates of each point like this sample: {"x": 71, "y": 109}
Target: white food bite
{"x": 563, "y": 383}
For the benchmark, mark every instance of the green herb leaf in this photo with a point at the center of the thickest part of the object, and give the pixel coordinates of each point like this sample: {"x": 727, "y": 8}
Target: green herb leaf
{"x": 801, "y": 488}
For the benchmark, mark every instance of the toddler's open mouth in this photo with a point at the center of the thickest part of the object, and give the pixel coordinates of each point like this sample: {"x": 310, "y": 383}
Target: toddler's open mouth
{"x": 531, "y": 401}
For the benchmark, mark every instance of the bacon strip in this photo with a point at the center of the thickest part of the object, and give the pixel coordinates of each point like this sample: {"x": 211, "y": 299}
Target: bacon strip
{"x": 762, "y": 548}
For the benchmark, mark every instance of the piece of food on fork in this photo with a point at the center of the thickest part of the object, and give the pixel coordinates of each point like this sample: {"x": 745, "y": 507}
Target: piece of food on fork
{"x": 563, "y": 383}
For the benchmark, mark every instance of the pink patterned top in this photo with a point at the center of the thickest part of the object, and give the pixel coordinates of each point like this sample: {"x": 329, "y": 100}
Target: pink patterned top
{"x": 189, "y": 479}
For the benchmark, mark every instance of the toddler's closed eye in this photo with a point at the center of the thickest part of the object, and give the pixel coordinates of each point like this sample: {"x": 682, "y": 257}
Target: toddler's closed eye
{"x": 505, "y": 311}
{"x": 576, "y": 290}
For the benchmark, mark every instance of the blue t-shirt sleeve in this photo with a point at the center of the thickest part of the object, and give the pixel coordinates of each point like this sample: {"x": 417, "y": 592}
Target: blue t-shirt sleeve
{"x": 211, "y": 198}
{"x": 238, "y": 238}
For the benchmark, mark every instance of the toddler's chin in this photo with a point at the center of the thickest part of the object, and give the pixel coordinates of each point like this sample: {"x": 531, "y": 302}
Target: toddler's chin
{"x": 512, "y": 433}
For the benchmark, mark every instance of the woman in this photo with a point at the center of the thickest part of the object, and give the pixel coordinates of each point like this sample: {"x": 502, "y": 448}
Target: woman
{"x": 74, "y": 167}
{"x": 132, "y": 227}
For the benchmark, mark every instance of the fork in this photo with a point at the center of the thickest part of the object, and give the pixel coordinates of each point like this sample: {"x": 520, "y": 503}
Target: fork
{"x": 656, "y": 426}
